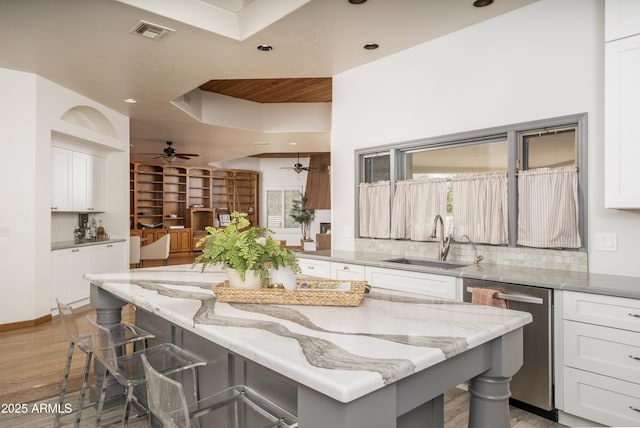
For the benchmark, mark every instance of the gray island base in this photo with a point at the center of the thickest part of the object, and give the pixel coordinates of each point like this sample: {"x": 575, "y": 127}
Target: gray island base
{"x": 384, "y": 364}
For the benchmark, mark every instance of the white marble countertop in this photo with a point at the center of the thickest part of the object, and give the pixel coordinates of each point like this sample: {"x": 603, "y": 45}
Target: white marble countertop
{"x": 610, "y": 285}
{"x": 342, "y": 352}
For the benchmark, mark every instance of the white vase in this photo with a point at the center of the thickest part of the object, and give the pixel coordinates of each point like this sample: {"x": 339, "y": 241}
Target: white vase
{"x": 283, "y": 275}
{"x": 251, "y": 279}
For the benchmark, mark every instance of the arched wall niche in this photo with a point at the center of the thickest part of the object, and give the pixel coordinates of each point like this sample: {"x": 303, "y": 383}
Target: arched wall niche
{"x": 90, "y": 118}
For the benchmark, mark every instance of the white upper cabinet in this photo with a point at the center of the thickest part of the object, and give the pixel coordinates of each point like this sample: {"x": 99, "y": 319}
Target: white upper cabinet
{"x": 622, "y": 19}
{"x": 78, "y": 181}
{"x": 622, "y": 108}
{"x": 62, "y": 171}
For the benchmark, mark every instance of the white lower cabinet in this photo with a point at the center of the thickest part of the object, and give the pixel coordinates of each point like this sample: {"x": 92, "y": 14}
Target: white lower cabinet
{"x": 426, "y": 284}
{"x": 313, "y": 267}
{"x": 601, "y": 358}
{"x": 347, "y": 272}
{"x": 68, "y": 267}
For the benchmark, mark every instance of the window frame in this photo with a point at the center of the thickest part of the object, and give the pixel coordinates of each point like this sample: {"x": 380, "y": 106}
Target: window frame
{"x": 283, "y": 189}
{"x": 513, "y": 133}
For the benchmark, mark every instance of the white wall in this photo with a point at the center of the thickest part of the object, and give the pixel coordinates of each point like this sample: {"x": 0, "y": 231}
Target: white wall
{"x": 29, "y": 109}
{"x": 540, "y": 61}
{"x": 19, "y": 264}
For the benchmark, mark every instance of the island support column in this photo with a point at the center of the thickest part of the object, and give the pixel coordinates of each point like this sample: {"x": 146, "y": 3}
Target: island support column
{"x": 489, "y": 404}
{"x": 108, "y": 314}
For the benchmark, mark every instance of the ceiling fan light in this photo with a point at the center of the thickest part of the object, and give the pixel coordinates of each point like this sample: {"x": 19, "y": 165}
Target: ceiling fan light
{"x": 169, "y": 159}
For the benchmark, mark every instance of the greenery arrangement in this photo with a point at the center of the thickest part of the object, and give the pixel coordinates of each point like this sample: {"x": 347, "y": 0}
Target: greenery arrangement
{"x": 303, "y": 216}
{"x": 244, "y": 248}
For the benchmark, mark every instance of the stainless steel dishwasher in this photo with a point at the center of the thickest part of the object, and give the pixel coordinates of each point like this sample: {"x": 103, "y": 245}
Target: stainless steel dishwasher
{"x": 532, "y": 386}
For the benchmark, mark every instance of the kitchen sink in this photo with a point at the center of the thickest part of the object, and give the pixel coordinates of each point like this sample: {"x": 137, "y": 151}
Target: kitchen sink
{"x": 427, "y": 263}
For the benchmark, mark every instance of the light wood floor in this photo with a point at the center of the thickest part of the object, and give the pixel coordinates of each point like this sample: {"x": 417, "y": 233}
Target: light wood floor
{"x": 32, "y": 364}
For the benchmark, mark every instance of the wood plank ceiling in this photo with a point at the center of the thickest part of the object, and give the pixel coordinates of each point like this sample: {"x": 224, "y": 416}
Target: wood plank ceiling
{"x": 290, "y": 90}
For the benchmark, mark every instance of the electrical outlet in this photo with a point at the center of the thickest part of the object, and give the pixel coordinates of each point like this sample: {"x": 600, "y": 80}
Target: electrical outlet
{"x": 606, "y": 241}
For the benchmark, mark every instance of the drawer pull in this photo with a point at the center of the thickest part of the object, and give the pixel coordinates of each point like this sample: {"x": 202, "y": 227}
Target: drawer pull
{"x": 635, "y": 315}
{"x": 345, "y": 268}
{"x": 310, "y": 267}
{"x": 635, "y": 409}
{"x": 634, "y": 357}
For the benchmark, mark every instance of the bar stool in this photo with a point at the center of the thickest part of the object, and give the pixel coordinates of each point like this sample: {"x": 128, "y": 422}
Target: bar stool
{"x": 168, "y": 404}
{"x": 123, "y": 334}
{"x": 128, "y": 369}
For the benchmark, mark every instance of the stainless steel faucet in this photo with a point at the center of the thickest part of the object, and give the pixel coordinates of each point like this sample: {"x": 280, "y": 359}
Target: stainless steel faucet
{"x": 477, "y": 258}
{"x": 444, "y": 243}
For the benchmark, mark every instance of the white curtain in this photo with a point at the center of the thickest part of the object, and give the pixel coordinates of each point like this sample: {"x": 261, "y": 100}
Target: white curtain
{"x": 548, "y": 208}
{"x": 400, "y": 214}
{"x": 415, "y": 205}
{"x": 374, "y": 209}
{"x": 480, "y": 208}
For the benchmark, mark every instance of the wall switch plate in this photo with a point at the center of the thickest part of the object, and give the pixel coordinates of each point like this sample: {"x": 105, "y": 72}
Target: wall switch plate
{"x": 606, "y": 241}
{"x": 5, "y": 231}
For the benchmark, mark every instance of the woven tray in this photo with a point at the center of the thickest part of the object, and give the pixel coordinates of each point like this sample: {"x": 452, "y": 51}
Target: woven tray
{"x": 318, "y": 297}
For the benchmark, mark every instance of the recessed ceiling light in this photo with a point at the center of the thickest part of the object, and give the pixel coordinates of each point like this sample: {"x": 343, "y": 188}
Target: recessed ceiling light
{"x": 482, "y": 3}
{"x": 261, "y": 143}
{"x": 264, "y": 48}
{"x": 130, "y": 101}
{"x": 371, "y": 46}
{"x": 292, "y": 143}
{"x": 357, "y": 1}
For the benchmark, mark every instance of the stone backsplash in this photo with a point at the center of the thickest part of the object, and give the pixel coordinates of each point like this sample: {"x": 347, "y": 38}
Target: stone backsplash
{"x": 568, "y": 260}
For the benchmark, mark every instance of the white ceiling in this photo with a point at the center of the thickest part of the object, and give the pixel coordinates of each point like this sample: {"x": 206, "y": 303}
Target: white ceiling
{"x": 86, "y": 46}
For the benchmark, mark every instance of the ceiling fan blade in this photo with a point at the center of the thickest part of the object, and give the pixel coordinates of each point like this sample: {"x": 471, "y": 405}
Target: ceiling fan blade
{"x": 181, "y": 156}
{"x": 193, "y": 155}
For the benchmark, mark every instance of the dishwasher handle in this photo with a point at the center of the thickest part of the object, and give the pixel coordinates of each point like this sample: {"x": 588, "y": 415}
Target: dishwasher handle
{"x": 515, "y": 297}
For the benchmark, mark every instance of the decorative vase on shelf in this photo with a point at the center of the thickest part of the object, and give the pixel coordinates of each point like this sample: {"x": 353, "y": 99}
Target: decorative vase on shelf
{"x": 283, "y": 275}
{"x": 252, "y": 279}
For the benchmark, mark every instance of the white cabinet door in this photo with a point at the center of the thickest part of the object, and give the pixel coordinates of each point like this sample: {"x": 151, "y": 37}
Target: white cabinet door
{"x": 609, "y": 311}
{"x": 317, "y": 268}
{"x": 347, "y": 272}
{"x": 69, "y": 266}
{"x": 115, "y": 257}
{"x": 622, "y": 19}
{"x": 61, "y": 178}
{"x": 622, "y": 133}
{"x": 97, "y": 197}
{"x": 608, "y": 351}
{"x": 438, "y": 286}
{"x": 60, "y": 276}
{"x": 601, "y": 399}
{"x": 88, "y": 182}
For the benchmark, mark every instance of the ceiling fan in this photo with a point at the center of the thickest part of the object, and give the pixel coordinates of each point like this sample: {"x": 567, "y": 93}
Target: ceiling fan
{"x": 297, "y": 167}
{"x": 170, "y": 154}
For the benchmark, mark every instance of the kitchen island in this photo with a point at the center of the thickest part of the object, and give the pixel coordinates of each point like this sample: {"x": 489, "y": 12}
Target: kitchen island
{"x": 383, "y": 364}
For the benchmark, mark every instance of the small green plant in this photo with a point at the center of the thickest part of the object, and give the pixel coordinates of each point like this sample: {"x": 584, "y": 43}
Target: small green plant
{"x": 303, "y": 216}
{"x": 244, "y": 248}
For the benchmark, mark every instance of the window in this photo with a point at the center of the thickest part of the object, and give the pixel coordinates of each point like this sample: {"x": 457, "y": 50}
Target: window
{"x": 549, "y": 148}
{"x": 279, "y": 203}
{"x": 376, "y": 167}
{"x": 484, "y": 159}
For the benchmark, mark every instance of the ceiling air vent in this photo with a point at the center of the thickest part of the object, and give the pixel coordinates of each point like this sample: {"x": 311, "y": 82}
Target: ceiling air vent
{"x": 152, "y": 31}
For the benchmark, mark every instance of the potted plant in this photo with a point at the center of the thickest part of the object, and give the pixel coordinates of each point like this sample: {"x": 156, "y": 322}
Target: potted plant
{"x": 247, "y": 252}
{"x": 303, "y": 216}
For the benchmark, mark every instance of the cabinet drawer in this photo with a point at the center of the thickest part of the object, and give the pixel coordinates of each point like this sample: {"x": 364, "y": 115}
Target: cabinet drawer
{"x": 438, "y": 286}
{"x": 347, "y": 272}
{"x": 317, "y": 268}
{"x": 601, "y": 399}
{"x": 617, "y": 312}
{"x": 607, "y": 351}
